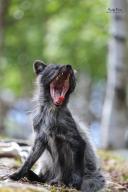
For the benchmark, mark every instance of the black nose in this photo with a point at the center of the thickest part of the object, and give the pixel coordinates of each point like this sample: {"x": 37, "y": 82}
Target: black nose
{"x": 68, "y": 67}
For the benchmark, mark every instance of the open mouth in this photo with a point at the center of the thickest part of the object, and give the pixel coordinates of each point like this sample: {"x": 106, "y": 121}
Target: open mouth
{"x": 59, "y": 87}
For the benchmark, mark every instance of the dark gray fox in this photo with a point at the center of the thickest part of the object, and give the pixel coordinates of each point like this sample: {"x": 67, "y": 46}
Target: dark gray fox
{"x": 67, "y": 156}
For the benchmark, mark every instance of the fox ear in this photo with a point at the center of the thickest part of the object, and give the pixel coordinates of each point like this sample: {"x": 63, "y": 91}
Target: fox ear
{"x": 38, "y": 66}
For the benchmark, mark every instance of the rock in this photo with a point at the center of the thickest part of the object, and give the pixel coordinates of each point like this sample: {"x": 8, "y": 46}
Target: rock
{"x": 19, "y": 187}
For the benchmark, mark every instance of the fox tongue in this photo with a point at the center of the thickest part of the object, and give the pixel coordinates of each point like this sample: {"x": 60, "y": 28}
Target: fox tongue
{"x": 58, "y": 98}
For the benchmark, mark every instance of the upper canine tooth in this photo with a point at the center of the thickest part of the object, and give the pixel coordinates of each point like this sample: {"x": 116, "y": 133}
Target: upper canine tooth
{"x": 57, "y": 78}
{"x": 62, "y": 73}
{"x": 68, "y": 76}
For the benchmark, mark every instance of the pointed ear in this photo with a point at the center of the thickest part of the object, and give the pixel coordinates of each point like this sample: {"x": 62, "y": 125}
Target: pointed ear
{"x": 38, "y": 66}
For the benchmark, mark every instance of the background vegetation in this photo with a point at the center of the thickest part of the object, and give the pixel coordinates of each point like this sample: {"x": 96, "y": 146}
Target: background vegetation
{"x": 56, "y": 31}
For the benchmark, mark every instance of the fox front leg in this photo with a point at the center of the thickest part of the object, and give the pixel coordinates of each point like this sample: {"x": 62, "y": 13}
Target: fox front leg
{"x": 37, "y": 150}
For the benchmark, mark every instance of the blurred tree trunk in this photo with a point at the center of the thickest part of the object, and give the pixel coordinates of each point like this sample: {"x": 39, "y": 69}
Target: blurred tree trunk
{"x": 115, "y": 113}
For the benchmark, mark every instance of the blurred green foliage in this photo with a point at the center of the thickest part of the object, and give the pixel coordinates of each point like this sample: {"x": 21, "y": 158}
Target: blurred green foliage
{"x": 55, "y": 31}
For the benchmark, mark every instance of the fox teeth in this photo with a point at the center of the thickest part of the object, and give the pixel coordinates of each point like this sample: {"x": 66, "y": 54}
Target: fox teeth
{"x": 57, "y": 78}
{"x": 62, "y": 73}
{"x": 68, "y": 76}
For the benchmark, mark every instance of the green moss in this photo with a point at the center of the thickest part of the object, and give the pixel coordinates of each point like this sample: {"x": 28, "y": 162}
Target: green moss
{"x": 61, "y": 189}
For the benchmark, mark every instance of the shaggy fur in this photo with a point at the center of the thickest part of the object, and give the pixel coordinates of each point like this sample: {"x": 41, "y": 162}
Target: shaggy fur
{"x": 67, "y": 154}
